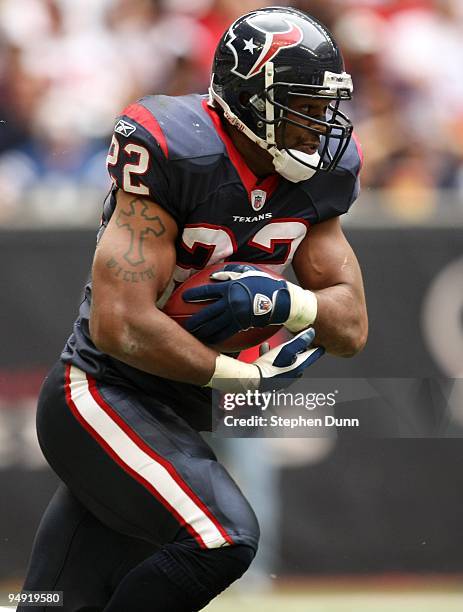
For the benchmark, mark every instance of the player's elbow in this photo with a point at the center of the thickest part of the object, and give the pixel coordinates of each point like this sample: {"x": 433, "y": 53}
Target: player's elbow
{"x": 116, "y": 329}
{"x": 355, "y": 338}
{"x": 353, "y": 346}
{"x": 106, "y": 325}
{"x": 104, "y": 342}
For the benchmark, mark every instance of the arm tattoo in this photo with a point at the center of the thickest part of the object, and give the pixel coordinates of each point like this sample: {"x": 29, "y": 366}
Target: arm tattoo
{"x": 128, "y": 275}
{"x": 138, "y": 208}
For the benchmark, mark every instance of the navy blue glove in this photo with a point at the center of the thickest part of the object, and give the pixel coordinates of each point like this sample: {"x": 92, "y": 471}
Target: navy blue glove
{"x": 289, "y": 360}
{"x": 245, "y": 297}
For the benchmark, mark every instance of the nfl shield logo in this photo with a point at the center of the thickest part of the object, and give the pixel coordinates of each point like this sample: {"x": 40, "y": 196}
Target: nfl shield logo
{"x": 262, "y": 304}
{"x": 258, "y": 198}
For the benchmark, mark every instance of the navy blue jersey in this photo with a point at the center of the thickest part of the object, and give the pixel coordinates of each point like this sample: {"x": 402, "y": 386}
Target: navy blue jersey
{"x": 175, "y": 151}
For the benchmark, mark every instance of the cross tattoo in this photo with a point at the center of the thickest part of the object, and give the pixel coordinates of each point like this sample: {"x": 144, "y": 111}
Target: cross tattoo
{"x": 134, "y": 255}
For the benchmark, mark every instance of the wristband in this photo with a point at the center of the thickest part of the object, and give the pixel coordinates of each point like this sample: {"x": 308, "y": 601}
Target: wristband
{"x": 233, "y": 376}
{"x": 303, "y": 311}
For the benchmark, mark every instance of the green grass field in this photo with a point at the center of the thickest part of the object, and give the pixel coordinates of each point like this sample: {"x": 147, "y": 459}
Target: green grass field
{"x": 341, "y": 602}
{"x": 427, "y": 594}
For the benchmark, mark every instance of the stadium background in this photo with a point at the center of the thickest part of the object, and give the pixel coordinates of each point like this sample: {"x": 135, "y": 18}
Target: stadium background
{"x": 348, "y": 522}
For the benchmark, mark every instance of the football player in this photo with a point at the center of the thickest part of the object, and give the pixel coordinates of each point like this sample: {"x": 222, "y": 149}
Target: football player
{"x": 259, "y": 170}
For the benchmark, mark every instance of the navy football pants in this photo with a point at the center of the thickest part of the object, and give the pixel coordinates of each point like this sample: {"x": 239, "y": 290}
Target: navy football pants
{"x": 138, "y": 483}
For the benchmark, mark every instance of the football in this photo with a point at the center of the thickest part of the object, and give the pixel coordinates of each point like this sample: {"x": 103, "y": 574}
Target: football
{"x": 180, "y": 311}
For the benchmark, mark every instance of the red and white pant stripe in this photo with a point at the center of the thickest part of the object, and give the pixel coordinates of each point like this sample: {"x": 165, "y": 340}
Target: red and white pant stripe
{"x": 139, "y": 460}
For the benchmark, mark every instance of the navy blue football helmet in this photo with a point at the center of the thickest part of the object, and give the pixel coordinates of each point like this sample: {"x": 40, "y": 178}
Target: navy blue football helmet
{"x": 265, "y": 58}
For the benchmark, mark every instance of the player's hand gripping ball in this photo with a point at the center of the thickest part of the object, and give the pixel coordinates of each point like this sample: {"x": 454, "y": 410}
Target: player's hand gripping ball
{"x": 225, "y": 312}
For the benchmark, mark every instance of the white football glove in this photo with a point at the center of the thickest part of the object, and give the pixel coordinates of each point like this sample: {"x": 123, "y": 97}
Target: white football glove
{"x": 274, "y": 369}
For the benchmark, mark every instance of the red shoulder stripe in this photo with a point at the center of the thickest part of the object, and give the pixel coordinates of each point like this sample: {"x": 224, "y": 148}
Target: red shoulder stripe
{"x": 139, "y": 113}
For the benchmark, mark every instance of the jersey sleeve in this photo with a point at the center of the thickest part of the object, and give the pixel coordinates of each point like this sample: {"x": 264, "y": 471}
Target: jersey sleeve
{"x": 334, "y": 193}
{"x": 138, "y": 158}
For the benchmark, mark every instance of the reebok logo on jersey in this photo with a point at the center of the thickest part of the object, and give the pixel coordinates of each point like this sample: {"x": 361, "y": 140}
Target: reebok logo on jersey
{"x": 124, "y": 128}
{"x": 262, "y": 304}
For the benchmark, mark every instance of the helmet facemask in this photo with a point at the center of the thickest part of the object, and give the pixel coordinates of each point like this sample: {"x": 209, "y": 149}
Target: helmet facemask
{"x": 336, "y": 128}
{"x": 271, "y": 113}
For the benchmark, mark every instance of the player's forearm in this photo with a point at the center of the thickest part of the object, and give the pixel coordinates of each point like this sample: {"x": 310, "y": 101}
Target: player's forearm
{"x": 341, "y": 325}
{"x": 152, "y": 342}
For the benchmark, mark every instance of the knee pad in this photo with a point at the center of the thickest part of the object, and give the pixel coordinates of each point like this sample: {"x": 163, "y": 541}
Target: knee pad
{"x": 229, "y": 561}
{"x": 204, "y": 573}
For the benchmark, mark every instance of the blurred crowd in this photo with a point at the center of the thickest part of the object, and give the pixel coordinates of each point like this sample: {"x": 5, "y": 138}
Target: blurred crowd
{"x": 67, "y": 69}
